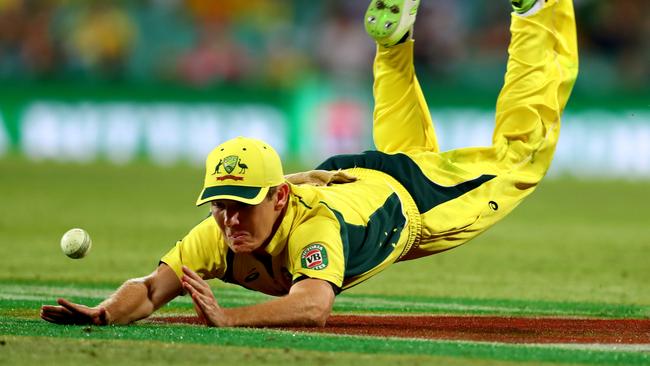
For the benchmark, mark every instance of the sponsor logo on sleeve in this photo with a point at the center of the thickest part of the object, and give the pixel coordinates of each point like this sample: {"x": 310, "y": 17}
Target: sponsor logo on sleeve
{"x": 314, "y": 257}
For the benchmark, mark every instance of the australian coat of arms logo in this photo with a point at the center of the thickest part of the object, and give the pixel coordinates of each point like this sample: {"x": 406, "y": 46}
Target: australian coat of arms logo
{"x": 230, "y": 164}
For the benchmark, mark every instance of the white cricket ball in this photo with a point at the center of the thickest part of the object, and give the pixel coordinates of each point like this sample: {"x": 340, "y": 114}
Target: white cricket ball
{"x": 76, "y": 243}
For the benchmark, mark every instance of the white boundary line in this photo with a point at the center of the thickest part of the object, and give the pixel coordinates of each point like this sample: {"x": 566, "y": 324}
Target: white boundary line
{"x": 237, "y": 296}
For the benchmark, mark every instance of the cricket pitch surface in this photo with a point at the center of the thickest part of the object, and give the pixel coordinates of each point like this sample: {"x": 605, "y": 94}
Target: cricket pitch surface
{"x": 533, "y": 330}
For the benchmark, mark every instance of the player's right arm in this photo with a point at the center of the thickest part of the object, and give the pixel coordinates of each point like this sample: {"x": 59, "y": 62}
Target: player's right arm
{"x": 135, "y": 299}
{"x": 139, "y": 297}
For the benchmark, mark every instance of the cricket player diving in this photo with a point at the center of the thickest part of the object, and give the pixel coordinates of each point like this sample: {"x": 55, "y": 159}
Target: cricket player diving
{"x": 306, "y": 237}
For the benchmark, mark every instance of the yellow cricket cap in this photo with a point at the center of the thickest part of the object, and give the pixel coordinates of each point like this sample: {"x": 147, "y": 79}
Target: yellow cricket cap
{"x": 241, "y": 169}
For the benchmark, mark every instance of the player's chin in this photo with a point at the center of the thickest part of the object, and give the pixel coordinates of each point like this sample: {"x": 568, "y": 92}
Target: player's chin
{"x": 242, "y": 246}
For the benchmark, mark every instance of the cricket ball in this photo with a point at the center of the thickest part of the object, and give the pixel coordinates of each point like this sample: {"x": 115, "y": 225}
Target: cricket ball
{"x": 76, "y": 243}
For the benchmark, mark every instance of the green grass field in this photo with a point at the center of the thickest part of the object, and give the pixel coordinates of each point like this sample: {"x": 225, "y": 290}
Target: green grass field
{"x": 574, "y": 248}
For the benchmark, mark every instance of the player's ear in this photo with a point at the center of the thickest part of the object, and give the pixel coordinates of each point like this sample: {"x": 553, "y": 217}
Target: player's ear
{"x": 282, "y": 196}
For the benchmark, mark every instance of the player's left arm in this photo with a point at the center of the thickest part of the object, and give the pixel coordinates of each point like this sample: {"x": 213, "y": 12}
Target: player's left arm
{"x": 308, "y": 303}
{"x": 135, "y": 299}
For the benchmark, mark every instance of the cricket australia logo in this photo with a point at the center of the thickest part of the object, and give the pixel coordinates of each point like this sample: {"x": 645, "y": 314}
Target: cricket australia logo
{"x": 314, "y": 257}
{"x": 229, "y": 164}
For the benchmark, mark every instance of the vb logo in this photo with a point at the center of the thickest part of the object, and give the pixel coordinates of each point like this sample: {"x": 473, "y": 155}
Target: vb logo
{"x": 314, "y": 257}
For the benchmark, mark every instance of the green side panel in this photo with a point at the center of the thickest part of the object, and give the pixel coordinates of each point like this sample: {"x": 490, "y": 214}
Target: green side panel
{"x": 365, "y": 247}
{"x": 427, "y": 194}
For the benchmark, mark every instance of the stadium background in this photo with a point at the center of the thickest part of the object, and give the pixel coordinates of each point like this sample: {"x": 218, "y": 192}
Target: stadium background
{"x": 166, "y": 80}
{"x": 107, "y": 109}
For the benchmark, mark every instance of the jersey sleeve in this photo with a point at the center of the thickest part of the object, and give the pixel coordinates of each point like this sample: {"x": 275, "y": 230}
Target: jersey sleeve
{"x": 316, "y": 251}
{"x": 201, "y": 250}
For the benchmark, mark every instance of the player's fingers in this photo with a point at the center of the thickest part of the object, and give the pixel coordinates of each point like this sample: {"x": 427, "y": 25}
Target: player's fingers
{"x": 207, "y": 308}
{"x": 194, "y": 293}
{"x": 57, "y": 317}
{"x": 72, "y": 307}
{"x": 51, "y": 308}
{"x": 55, "y": 310}
{"x": 80, "y": 314}
{"x": 198, "y": 310}
{"x": 188, "y": 287}
{"x": 196, "y": 299}
{"x": 63, "y": 302}
{"x": 205, "y": 305}
{"x": 192, "y": 277}
{"x": 198, "y": 284}
{"x": 50, "y": 319}
{"x": 201, "y": 297}
{"x": 208, "y": 304}
{"x": 195, "y": 277}
{"x": 189, "y": 272}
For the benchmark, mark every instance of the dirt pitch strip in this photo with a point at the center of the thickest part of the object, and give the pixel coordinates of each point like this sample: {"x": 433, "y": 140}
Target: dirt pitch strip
{"x": 526, "y": 330}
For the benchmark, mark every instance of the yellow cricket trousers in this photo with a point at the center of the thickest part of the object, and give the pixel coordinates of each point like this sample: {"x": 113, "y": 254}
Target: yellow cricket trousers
{"x": 486, "y": 183}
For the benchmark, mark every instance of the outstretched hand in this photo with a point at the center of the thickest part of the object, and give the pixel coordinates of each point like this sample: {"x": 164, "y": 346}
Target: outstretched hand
{"x": 205, "y": 305}
{"x": 71, "y": 313}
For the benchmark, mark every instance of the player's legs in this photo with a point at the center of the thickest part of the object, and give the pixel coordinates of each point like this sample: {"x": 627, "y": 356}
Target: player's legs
{"x": 541, "y": 71}
{"x": 566, "y": 48}
{"x": 542, "y": 68}
{"x": 401, "y": 118}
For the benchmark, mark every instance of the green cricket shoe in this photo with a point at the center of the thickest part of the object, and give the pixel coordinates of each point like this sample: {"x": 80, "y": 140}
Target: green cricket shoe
{"x": 387, "y": 21}
{"x": 522, "y": 6}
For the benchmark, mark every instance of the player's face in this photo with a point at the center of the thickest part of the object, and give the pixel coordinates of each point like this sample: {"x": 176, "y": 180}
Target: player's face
{"x": 247, "y": 227}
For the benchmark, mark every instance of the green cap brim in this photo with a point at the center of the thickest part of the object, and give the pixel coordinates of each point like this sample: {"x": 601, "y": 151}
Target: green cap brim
{"x": 248, "y": 195}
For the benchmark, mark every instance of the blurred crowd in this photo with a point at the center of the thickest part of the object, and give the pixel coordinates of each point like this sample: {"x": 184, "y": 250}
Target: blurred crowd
{"x": 280, "y": 42}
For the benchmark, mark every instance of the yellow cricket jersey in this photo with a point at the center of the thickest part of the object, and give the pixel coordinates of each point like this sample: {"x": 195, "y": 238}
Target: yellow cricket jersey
{"x": 342, "y": 234}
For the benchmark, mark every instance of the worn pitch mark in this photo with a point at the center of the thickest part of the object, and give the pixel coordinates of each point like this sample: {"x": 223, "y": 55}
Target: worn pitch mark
{"x": 528, "y": 330}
